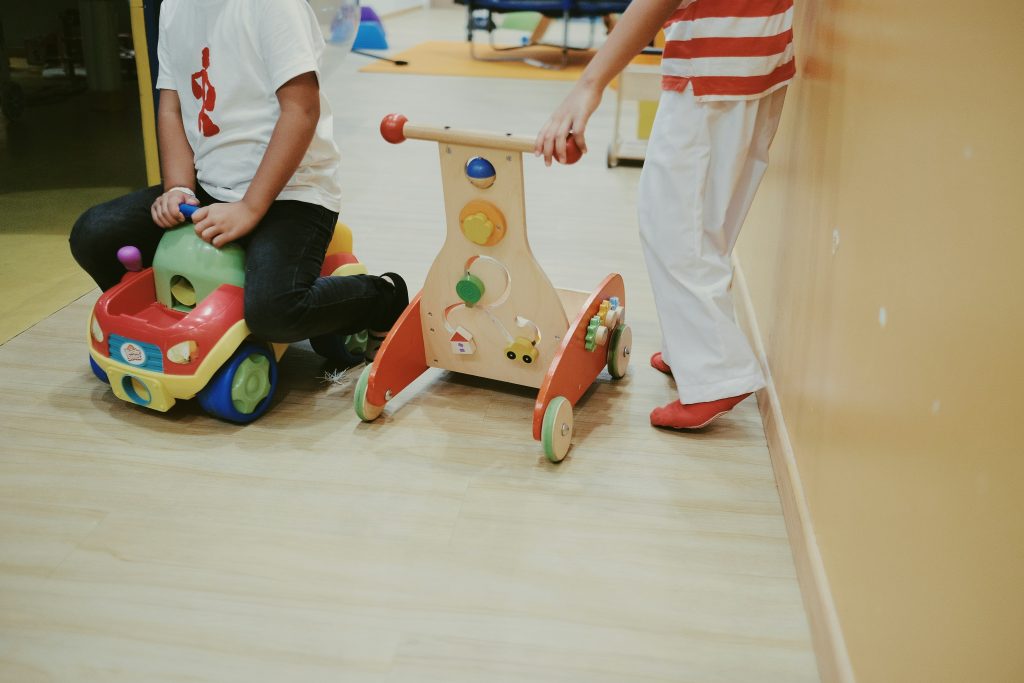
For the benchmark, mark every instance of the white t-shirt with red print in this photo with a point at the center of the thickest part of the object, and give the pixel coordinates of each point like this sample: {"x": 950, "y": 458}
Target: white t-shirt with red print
{"x": 226, "y": 59}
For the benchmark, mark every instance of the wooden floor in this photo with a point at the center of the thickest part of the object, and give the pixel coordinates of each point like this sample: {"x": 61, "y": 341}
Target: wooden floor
{"x": 436, "y": 544}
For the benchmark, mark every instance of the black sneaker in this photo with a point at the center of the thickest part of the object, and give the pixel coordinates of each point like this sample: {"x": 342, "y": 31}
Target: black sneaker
{"x": 341, "y": 350}
{"x": 398, "y": 305}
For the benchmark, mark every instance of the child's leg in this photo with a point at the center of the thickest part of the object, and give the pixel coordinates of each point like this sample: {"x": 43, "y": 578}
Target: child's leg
{"x": 286, "y": 300}
{"x": 103, "y": 229}
{"x": 704, "y": 162}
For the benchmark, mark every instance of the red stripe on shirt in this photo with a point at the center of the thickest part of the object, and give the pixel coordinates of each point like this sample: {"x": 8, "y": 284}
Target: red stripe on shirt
{"x": 731, "y": 86}
{"x": 728, "y": 47}
{"x": 709, "y": 9}
{"x": 739, "y": 86}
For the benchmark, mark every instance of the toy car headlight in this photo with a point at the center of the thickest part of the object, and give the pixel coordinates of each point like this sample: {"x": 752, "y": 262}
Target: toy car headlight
{"x": 97, "y": 331}
{"x": 182, "y": 353}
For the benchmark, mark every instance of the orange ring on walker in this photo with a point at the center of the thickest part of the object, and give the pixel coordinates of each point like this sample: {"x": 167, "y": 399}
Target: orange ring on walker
{"x": 482, "y": 223}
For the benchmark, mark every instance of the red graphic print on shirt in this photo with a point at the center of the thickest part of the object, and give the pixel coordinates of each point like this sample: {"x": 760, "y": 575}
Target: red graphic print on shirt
{"x": 204, "y": 91}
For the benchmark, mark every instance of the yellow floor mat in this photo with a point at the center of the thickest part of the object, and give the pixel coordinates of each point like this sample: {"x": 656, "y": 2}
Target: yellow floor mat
{"x": 37, "y": 273}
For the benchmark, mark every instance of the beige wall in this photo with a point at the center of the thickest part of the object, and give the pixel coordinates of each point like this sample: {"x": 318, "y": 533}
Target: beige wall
{"x": 904, "y": 136}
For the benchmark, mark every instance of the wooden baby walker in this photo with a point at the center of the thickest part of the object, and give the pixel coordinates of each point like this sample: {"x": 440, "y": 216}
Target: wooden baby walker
{"x": 487, "y": 308}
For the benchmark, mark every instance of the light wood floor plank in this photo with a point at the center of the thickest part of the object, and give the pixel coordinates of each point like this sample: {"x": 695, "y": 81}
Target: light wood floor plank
{"x": 436, "y": 544}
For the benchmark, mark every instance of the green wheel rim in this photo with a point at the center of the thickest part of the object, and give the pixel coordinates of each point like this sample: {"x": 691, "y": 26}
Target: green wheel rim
{"x": 614, "y": 349}
{"x": 551, "y": 430}
{"x": 359, "y": 397}
{"x": 251, "y": 383}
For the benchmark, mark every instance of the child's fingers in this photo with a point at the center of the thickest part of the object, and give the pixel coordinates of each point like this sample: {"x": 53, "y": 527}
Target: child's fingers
{"x": 208, "y": 234}
{"x": 549, "y": 146}
{"x": 223, "y": 238}
{"x": 543, "y": 142}
{"x": 538, "y": 143}
{"x": 549, "y": 150}
{"x": 542, "y": 147}
{"x": 155, "y": 215}
{"x": 580, "y": 141}
{"x": 164, "y": 218}
{"x": 203, "y": 226}
{"x": 578, "y": 131}
{"x": 560, "y": 138}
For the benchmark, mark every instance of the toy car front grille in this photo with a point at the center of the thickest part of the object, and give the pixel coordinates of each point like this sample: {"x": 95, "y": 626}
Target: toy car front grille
{"x": 137, "y": 354}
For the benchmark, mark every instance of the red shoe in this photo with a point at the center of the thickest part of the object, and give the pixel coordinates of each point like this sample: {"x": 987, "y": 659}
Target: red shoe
{"x": 675, "y": 415}
{"x": 659, "y": 364}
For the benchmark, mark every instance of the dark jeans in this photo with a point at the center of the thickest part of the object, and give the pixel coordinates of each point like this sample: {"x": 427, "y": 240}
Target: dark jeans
{"x": 286, "y": 300}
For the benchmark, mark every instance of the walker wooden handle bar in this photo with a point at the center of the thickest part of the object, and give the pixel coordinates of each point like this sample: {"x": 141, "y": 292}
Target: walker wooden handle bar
{"x": 396, "y": 128}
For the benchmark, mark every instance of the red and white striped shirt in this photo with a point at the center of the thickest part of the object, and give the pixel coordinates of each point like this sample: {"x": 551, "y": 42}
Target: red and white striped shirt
{"x": 729, "y": 49}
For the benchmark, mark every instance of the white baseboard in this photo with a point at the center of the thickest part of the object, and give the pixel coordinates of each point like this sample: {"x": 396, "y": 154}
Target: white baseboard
{"x": 826, "y": 633}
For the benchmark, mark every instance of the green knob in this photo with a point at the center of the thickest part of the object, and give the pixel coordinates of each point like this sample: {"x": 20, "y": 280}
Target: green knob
{"x": 470, "y": 289}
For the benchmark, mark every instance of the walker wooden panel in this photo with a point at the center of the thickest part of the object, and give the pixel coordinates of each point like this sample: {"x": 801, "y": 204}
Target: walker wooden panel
{"x": 487, "y": 308}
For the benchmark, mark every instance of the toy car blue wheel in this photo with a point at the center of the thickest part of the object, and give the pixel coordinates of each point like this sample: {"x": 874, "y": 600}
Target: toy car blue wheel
{"x": 241, "y": 391}
{"x": 344, "y": 349}
{"x": 98, "y": 371}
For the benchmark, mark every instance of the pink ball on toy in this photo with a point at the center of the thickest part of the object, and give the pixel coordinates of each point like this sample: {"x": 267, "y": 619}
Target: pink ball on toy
{"x": 130, "y": 257}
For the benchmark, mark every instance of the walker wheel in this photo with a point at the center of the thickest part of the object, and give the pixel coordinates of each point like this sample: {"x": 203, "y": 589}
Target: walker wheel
{"x": 366, "y": 411}
{"x": 619, "y": 350}
{"x": 556, "y": 432}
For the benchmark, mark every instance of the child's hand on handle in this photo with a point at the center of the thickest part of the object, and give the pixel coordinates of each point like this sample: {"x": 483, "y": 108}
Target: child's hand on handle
{"x": 570, "y": 118}
{"x": 165, "y": 209}
{"x": 220, "y": 224}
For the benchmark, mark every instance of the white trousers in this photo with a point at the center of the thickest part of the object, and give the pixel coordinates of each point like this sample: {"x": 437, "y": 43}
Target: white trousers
{"x": 704, "y": 163}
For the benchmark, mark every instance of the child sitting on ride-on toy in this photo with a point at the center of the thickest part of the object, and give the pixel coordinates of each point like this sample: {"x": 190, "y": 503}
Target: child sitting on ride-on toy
{"x": 245, "y": 131}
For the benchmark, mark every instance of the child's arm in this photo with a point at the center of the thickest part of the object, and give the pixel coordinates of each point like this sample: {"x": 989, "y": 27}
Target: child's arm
{"x": 299, "y": 99}
{"x": 638, "y": 26}
{"x": 177, "y": 162}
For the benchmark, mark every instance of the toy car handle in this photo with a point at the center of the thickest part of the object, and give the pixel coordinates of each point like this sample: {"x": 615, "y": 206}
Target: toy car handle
{"x": 130, "y": 256}
{"x": 395, "y": 128}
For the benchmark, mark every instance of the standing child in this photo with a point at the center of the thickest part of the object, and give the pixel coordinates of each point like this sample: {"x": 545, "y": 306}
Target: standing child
{"x": 725, "y": 68}
{"x": 245, "y": 131}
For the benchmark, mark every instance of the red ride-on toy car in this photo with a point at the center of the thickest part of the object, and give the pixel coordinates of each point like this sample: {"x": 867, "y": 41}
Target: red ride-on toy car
{"x": 177, "y": 329}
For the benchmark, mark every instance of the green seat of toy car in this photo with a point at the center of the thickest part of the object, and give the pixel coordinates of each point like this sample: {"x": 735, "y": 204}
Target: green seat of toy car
{"x": 186, "y": 269}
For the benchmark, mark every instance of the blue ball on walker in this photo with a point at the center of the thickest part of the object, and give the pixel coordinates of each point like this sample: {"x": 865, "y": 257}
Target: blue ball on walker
{"x": 480, "y": 172}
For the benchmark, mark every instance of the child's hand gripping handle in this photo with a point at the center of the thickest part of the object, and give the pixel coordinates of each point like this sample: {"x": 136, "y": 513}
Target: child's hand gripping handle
{"x": 130, "y": 256}
{"x": 395, "y": 128}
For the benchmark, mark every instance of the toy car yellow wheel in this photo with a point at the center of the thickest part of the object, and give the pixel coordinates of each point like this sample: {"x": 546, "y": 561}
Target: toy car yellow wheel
{"x": 366, "y": 411}
{"x": 619, "y": 350}
{"x": 556, "y": 430}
